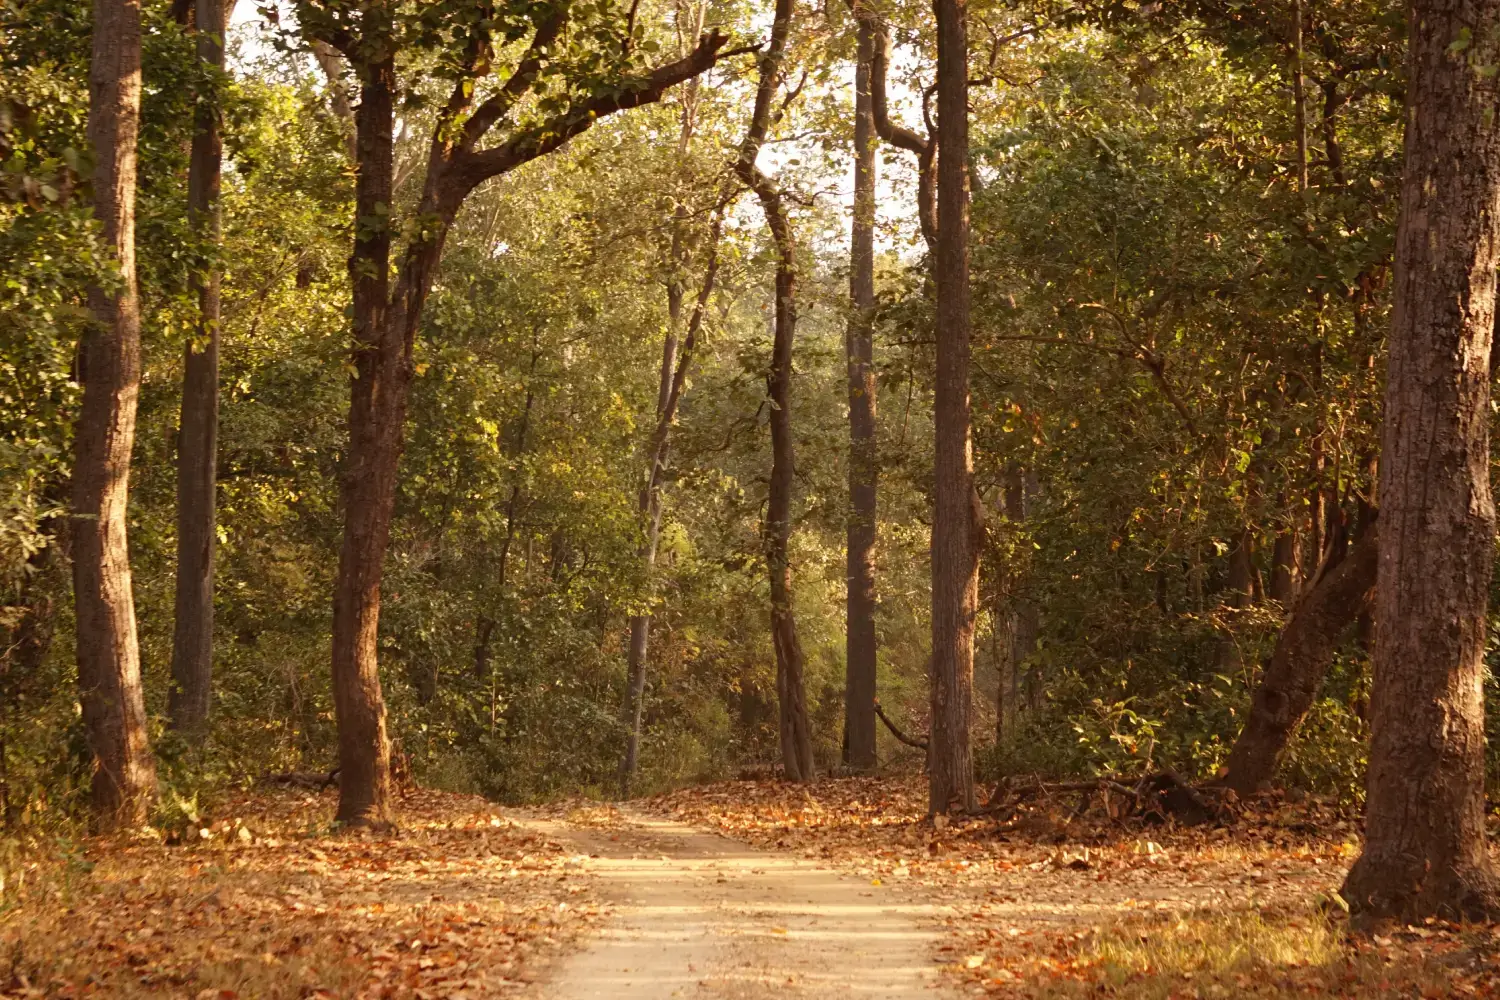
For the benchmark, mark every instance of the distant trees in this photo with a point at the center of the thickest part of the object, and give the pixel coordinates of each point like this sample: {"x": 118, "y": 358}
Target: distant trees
{"x": 389, "y": 295}
{"x": 1174, "y": 345}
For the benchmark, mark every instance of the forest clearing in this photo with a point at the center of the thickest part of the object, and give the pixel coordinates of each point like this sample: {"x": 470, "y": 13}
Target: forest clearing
{"x": 732, "y": 498}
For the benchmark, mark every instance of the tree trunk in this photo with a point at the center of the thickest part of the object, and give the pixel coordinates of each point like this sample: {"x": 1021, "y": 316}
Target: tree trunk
{"x": 385, "y": 324}
{"x": 795, "y": 728}
{"x": 1294, "y": 675}
{"x": 198, "y": 426}
{"x": 1424, "y": 852}
{"x": 677, "y": 357}
{"x": 649, "y": 514}
{"x": 1285, "y": 569}
{"x": 1241, "y": 582}
{"x": 860, "y": 643}
{"x": 955, "y": 525}
{"x": 367, "y": 487}
{"x": 1018, "y": 624}
{"x": 109, "y": 366}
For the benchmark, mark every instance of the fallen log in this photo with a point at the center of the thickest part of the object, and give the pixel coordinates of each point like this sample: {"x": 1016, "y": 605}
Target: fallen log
{"x": 315, "y": 780}
{"x": 1154, "y": 798}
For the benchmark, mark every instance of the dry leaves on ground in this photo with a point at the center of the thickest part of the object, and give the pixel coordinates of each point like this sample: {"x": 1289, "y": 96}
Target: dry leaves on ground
{"x": 266, "y": 903}
{"x": 1060, "y": 900}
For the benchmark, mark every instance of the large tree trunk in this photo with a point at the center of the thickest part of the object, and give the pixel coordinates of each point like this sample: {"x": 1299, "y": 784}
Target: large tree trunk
{"x": 955, "y": 552}
{"x": 1424, "y": 851}
{"x": 198, "y": 426}
{"x": 795, "y": 728}
{"x": 109, "y": 364}
{"x": 367, "y": 487}
{"x": 860, "y": 648}
{"x": 1294, "y": 674}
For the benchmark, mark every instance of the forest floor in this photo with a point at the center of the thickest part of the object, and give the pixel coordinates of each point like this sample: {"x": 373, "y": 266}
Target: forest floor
{"x": 264, "y": 901}
{"x": 733, "y": 891}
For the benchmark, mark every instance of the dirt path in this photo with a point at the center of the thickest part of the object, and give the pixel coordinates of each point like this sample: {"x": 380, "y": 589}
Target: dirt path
{"x": 699, "y": 916}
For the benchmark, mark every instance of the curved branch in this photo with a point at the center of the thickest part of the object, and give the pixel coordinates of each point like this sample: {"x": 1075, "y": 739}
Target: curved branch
{"x": 472, "y": 168}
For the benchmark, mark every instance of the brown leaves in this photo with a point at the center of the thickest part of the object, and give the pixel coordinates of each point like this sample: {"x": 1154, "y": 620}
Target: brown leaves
{"x": 1050, "y": 899}
{"x": 461, "y": 903}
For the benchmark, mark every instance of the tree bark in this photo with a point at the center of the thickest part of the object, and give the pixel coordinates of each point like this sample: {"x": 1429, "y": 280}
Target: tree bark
{"x": 1294, "y": 674}
{"x": 795, "y": 727}
{"x": 109, "y": 365}
{"x": 1285, "y": 571}
{"x": 864, "y": 471}
{"x": 198, "y": 426}
{"x": 1241, "y": 581}
{"x": 367, "y": 488}
{"x": 955, "y": 524}
{"x": 1425, "y": 852}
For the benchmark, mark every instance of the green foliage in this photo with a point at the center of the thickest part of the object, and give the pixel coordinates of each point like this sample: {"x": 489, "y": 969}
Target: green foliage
{"x": 1177, "y": 354}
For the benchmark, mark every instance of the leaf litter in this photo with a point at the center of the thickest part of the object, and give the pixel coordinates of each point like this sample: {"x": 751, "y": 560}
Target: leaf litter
{"x": 269, "y": 902}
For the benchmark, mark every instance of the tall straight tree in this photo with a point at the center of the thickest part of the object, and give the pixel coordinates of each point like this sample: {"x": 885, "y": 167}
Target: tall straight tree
{"x": 589, "y": 70}
{"x": 955, "y": 520}
{"x": 676, "y": 354}
{"x": 109, "y": 370}
{"x": 198, "y": 425}
{"x": 677, "y": 357}
{"x": 859, "y": 643}
{"x": 1425, "y": 851}
{"x": 795, "y": 728}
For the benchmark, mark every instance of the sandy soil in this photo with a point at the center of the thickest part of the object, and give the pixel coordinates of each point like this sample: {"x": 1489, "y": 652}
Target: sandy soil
{"x": 700, "y": 916}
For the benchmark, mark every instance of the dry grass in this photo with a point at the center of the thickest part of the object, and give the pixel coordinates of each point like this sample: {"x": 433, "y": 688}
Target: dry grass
{"x": 461, "y": 903}
{"x": 1242, "y": 953}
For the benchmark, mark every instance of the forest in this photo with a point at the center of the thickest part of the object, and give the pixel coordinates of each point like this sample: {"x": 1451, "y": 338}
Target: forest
{"x": 886, "y": 431}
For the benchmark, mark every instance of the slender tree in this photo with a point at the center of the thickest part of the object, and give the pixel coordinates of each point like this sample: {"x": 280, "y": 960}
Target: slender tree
{"x": 109, "y": 370}
{"x": 390, "y": 294}
{"x": 674, "y": 356}
{"x": 860, "y": 647}
{"x": 1425, "y": 851}
{"x": 677, "y": 357}
{"x": 955, "y": 518}
{"x": 795, "y": 728}
{"x": 198, "y": 425}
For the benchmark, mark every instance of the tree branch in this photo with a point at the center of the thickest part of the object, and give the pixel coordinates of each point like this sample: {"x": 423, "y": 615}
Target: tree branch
{"x": 473, "y": 168}
{"x": 499, "y": 105}
{"x": 909, "y": 741}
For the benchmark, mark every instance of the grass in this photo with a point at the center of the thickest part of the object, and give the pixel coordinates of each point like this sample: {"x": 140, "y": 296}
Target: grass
{"x": 1246, "y": 953}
